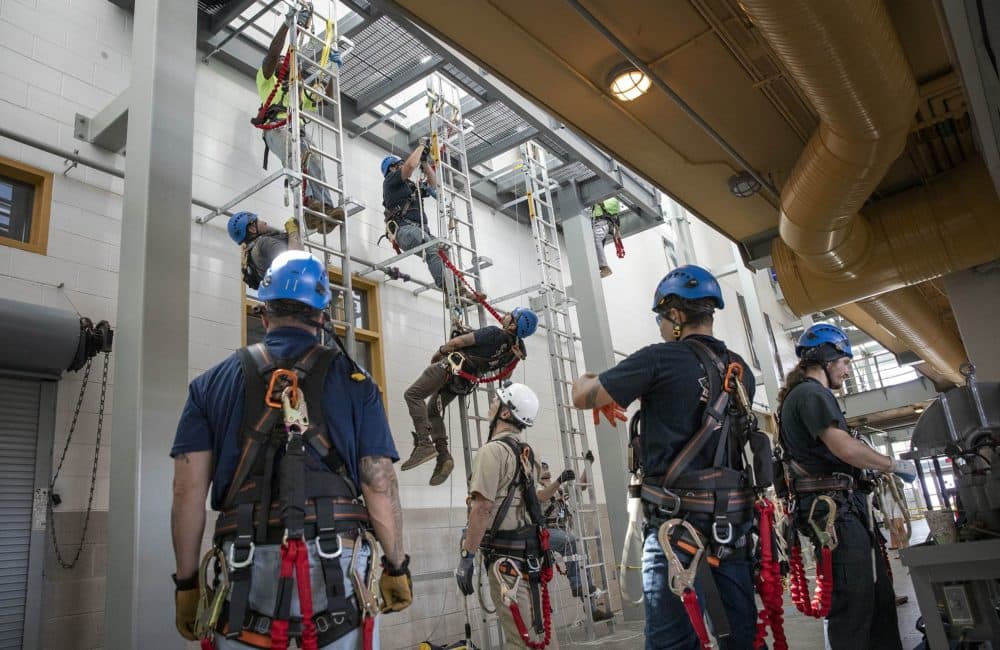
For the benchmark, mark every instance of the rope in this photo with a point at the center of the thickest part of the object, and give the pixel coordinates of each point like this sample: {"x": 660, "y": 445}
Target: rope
{"x": 480, "y": 298}
{"x": 768, "y": 582}
{"x": 619, "y": 247}
{"x": 282, "y": 73}
{"x": 503, "y": 374}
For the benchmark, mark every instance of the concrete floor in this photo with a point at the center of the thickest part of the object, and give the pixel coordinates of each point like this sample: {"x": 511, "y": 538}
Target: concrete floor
{"x": 801, "y": 631}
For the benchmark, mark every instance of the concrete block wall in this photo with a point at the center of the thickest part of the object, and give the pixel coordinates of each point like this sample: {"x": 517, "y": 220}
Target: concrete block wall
{"x": 62, "y": 57}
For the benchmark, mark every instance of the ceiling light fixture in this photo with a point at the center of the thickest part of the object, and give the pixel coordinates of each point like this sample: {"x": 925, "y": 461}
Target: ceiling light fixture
{"x": 627, "y": 83}
{"x": 743, "y": 185}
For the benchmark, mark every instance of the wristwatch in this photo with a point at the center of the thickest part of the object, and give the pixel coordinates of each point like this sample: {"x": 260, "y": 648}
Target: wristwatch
{"x": 466, "y": 553}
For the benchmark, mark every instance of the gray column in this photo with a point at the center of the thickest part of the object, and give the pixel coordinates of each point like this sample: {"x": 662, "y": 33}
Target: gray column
{"x": 975, "y": 299}
{"x": 151, "y": 346}
{"x": 595, "y": 330}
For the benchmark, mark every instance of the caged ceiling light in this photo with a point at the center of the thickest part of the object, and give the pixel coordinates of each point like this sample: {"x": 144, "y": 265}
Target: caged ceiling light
{"x": 626, "y": 83}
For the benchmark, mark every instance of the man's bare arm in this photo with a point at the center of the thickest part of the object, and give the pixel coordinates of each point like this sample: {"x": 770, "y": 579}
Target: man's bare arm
{"x": 430, "y": 174}
{"x": 479, "y": 521}
{"x": 549, "y": 491}
{"x": 854, "y": 452}
{"x": 588, "y": 393}
{"x": 192, "y": 477}
{"x": 457, "y": 343}
{"x": 411, "y": 162}
{"x": 274, "y": 51}
{"x": 380, "y": 488}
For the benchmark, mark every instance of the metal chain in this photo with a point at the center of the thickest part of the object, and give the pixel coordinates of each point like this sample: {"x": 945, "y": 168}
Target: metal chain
{"x": 93, "y": 474}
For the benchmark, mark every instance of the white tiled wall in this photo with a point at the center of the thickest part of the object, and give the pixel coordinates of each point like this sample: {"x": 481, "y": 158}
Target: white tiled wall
{"x": 61, "y": 57}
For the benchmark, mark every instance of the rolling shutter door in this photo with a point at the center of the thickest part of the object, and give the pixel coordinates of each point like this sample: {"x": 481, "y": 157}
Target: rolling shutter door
{"x": 19, "y": 408}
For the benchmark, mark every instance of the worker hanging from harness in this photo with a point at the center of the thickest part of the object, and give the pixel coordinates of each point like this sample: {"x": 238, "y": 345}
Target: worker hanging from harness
{"x": 819, "y": 472}
{"x": 507, "y": 525}
{"x": 260, "y": 244}
{"x": 559, "y": 522}
{"x": 322, "y": 212}
{"x": 294, "y": 447}
{"x": 607, "y": 226}
{"x": 484, "y": 355}
{"x": 693, "y": 425}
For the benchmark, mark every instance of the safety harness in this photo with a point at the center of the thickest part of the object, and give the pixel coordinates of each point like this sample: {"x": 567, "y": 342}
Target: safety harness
{"x": 616, "y": 229}
{"x": 727, "y": 494}
{"x": 312, "y": 500}
{"x": 522, "y": 553}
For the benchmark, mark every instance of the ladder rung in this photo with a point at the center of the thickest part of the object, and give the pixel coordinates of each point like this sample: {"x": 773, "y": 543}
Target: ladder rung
{"x": 316, "y": 119}
{"x": 313, "y": 179}
{"x": 323, "y": 154}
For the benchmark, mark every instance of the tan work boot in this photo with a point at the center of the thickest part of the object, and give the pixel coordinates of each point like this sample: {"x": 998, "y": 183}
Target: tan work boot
{"x": 606, "y": 271}
{"x": 423, "y": 451}
{"x": 318, "y": 223}
{"x": 600, "y": 614}
{"x": 442, "y": 470}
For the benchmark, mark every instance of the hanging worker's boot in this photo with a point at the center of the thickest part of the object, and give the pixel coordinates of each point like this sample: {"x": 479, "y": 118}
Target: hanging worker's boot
{"x": 318, "y": 223}
{"x": 606, "y": 271}
{"x": 423, "y": 451}
{"x": 445, "y": 463}
{"x": 599, "y": 614}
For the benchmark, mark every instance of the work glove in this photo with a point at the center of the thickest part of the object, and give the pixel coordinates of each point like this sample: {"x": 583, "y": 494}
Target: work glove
{"x": 291, "y": 226}
{"x": 464, "y": 574}
{"x": 426, "y": 153}
{"x": 567, "y": 476}
{"x": 905, "y": 469}
{"x": 186, "y": 605}
{"x": 396, "y": 586}
{"x": 612, "y": 412}
{"x": 589, "y": 456}
{"x": 335, "y": 57}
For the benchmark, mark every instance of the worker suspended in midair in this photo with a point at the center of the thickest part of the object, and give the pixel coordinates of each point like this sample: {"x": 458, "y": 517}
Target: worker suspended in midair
{"x": 260, "y": 244}
{"x": 272, "y": 118}
{"x": 487, "y": 354}
{"x": 607, "y": 226}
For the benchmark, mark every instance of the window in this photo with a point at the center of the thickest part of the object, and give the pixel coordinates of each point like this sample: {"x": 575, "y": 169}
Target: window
{"x": 25, "y": 198}
{"x": 367, "y": 324}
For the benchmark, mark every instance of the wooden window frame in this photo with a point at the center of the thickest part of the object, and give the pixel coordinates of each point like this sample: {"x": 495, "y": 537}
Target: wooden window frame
{"x": 38, "y": 239}
{"x": 372, "y": 337}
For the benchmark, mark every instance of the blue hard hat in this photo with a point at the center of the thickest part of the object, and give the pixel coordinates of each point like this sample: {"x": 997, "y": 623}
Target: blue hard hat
{"x": 689, "y": 282}
{"x": 388, "y": 162}
{"x": 816, "y": 336}
{"x": 237, "y": 225}
{"x": 298, "y": 276}
{"x": 527, "y": 321}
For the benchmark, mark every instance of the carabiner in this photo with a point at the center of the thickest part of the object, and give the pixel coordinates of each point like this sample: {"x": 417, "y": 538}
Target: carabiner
{"x": 681, "y": 577}
{"x": 505, "y": 591}
{"x": 827, "y": 535}
{"x": 293, "y": 405}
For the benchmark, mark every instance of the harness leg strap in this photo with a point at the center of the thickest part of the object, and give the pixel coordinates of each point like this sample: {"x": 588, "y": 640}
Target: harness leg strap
{"x": 713, "y": 600}
{"x": 329, "y": 546}
{"x": 240, "y": 576}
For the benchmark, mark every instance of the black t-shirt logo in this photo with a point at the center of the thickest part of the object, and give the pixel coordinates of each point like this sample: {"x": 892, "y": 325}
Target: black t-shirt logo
{"x": 705, "y": 394}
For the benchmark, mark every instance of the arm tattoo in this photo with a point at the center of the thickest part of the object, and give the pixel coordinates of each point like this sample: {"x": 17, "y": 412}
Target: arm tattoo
{"x": 385, "y": 510}
{"x": 591, "y": 399}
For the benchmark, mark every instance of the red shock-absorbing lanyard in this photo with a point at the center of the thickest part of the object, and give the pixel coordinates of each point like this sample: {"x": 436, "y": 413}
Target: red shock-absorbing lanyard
{"x": 819, "y": 606}
{"x": 461, "y": 277}
{"x": 282, "y": 73}
{"x": 295, "y": 555}
{"x": 515, "y": 611}
{"x": 768, "y": 581}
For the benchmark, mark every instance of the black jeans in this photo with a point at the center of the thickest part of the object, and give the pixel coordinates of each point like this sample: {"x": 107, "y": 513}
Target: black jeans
{"x": 863, "y": 611}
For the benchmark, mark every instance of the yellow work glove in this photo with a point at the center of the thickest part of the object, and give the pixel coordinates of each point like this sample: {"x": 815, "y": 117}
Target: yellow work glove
{"x": 291, "y": 226}
{"x": 396, "y": 586}
{"x": 186, "y": 604}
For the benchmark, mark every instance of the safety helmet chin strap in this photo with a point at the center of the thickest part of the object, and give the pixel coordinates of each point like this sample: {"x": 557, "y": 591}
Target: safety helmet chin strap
{"x": 497, "y": 418}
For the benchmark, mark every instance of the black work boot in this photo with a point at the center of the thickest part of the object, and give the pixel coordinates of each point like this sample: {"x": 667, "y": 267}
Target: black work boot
{"x": 423, "y": 451}
{"x": 445, "y": 463}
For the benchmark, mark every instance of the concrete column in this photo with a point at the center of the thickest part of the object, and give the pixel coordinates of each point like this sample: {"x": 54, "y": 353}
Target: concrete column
{"x": 598, "y": 355}
{"x": 975, "y": 300}
{"x": 151, "y": 346}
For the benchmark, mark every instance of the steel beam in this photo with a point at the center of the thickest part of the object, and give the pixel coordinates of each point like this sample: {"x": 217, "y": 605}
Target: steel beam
{"x": 493, "y": 149}
{"x": 108, "y": 128}
{"x": 369, "y": 100}
{"x": 227, "y": 14}
{"x": 598, "y": 355}
{"x": 151, "y": 350}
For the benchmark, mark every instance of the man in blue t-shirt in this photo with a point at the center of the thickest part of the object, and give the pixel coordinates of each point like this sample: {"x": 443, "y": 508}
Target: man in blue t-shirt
{"x": 673, "y": 389}
{"x": 211, "y": 437}
{"x": 487, "y": 351}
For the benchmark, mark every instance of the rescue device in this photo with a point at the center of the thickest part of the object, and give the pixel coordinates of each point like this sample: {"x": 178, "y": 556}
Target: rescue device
{"x": 291, "y": 487}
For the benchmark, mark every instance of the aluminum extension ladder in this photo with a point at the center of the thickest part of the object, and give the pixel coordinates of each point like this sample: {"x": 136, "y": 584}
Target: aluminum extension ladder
{"x": 561, "y": 337}
{"x": 325, "y": 129}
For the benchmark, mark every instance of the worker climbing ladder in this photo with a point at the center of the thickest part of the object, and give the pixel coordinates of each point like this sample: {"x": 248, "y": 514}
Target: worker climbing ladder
{"x": 557, "y": 320}
{"x": 309, "y": 64}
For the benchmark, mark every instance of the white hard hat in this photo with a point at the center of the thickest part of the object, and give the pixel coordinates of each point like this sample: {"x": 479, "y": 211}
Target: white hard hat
{"x": 521, "y": 400}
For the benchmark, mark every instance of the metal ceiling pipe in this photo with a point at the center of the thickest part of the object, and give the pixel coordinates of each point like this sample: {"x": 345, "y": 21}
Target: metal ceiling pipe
{"x": 847, "y": 59}
{"x": 918, "y": 235}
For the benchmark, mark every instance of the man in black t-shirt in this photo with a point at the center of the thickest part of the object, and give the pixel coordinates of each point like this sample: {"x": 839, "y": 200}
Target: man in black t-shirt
{"x": 822, "y": 457}
{"x": 673, "y": 389}
{"x": 485, "y": 352}
{"x": 405, "y": 218}
{"x": 260, "y": 244}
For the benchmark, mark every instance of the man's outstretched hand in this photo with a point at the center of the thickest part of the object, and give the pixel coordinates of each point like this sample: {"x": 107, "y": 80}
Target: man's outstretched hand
{"x": 612, "y": 412}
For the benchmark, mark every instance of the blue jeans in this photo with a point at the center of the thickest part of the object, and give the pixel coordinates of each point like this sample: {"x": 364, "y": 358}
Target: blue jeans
{"x": 409, "y": 236}
{"x": 564, "y": 543}
{"x": 667, "y": 623}
{"x": 263, "y": 591}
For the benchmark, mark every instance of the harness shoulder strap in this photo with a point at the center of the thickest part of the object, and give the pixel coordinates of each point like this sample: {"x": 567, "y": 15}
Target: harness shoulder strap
{"x": 713, "y": 416}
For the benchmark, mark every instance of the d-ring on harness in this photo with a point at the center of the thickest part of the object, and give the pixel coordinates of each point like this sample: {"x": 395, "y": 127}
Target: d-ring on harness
{"x": 682, "y": 578}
